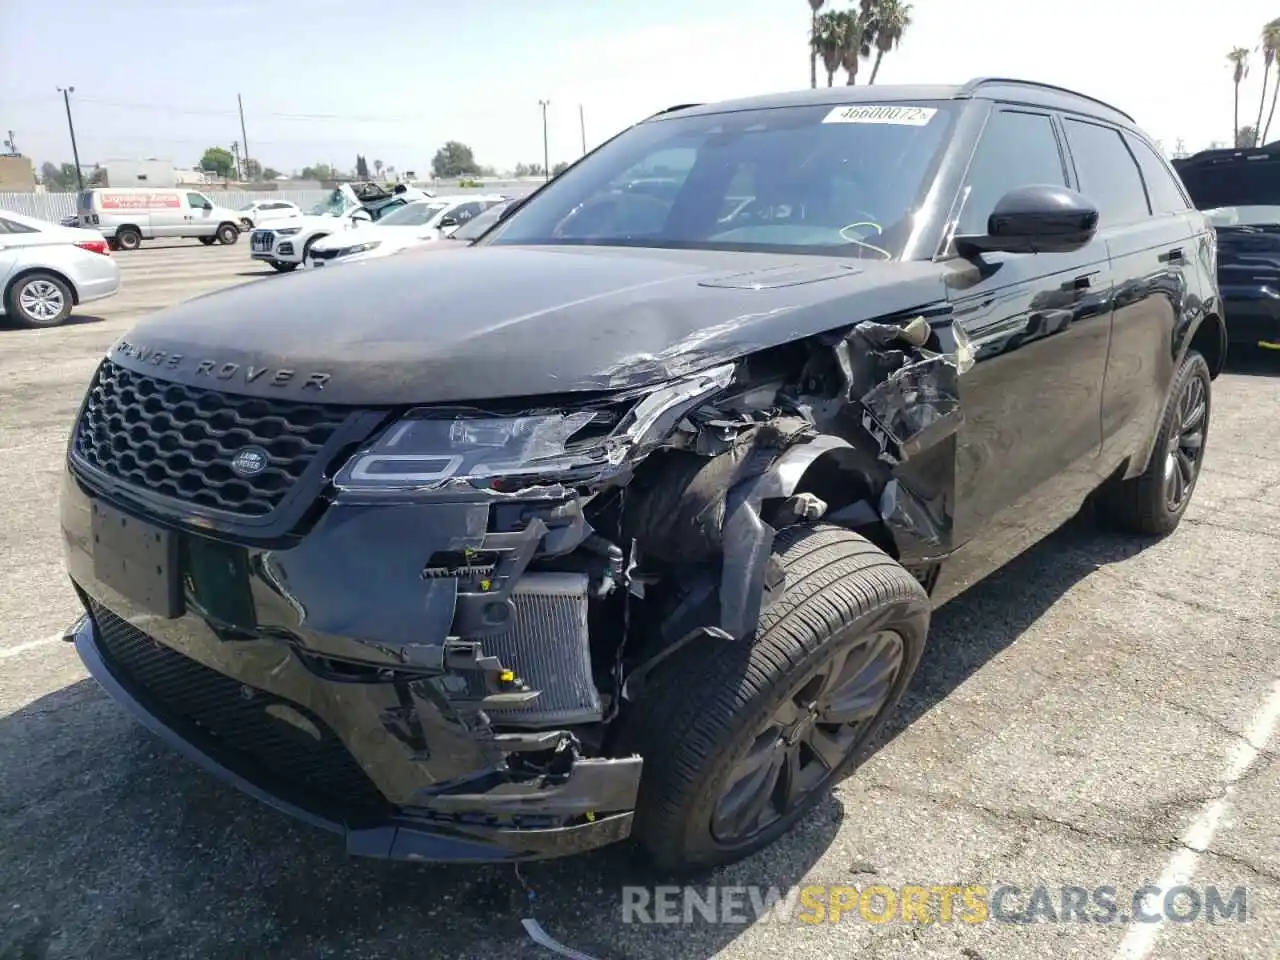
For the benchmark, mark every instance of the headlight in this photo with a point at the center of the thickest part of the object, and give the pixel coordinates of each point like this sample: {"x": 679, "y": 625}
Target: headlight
{"x": 359, "y": 248}
{"x": 288, "y": 231}
{"x": 430, "y": 449}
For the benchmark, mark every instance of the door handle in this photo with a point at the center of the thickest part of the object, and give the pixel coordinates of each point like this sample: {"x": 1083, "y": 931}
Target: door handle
{"x": 1082, "y": 282}
{"x": 1172, "y": 256}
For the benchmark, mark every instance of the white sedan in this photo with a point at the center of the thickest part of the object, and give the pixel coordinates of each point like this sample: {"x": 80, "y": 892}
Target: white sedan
{"x": 46, "y": 270}
{"x": 261, "y": 211}
{"x": 423, "y": 221}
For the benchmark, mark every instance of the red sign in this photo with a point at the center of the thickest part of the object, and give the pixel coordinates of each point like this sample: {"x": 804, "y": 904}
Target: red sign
{"x": 140, "y": 201}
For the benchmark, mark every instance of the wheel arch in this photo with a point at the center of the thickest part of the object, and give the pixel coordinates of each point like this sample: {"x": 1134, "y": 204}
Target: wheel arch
{"x": 32, "y": 271}
{"x": 1209, "y": 338}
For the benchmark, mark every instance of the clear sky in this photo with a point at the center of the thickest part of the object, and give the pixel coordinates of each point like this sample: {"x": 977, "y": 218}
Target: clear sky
{"x": 393, "y": 79}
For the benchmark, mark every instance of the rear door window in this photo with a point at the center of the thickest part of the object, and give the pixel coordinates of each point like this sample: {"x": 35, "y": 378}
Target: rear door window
{"x": 1108, "y": 173}
{"x": 1017, "y": 149}
{"x": 1163, "y": 188}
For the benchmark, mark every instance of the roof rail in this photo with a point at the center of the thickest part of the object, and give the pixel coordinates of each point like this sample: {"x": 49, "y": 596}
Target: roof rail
{"x": 678, "y": 106}
{"x": 1226, "y": 154}
{"x": 972, "y": 86}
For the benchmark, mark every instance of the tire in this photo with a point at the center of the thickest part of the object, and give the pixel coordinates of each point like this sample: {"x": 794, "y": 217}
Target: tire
{"x": 113, "y": 243}
{"x": 306, "y": 248}
{"x": 1143, "y": 504}
{"x": 38, "y": 300}
{"x": 279, "y": 266}
{"x": 246, "y": 225}
{"x": 207, "y": 241}
{"x": 228, "y": 234}
{"x": 128, "y": 238}
{"x": 702, "y": 710}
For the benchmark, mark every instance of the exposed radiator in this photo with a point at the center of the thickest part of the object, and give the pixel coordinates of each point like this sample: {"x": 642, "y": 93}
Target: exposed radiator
{"x": 547, "y": 646}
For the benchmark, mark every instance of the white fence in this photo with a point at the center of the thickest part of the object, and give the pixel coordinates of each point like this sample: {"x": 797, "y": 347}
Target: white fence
{"x": 55, "y": 206}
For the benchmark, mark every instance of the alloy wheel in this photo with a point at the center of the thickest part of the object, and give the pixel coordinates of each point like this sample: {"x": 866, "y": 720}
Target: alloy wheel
{"x": 1186, "y": 445}
{"x": 41, "y": 300}
{"x": 807, "y": 739}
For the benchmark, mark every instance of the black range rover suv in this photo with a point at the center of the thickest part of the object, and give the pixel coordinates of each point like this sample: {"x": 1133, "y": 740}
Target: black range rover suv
{"x": 629, "y": 519}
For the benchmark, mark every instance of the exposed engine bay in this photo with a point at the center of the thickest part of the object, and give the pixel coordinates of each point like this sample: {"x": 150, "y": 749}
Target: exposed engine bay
{"x": 600, "y": 537}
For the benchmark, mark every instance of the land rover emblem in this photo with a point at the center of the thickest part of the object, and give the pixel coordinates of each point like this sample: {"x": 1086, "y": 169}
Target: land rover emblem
{"x": 249, "y": 462}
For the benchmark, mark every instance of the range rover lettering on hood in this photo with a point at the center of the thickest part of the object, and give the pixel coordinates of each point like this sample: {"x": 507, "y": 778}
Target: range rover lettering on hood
{"x": 217, "y": 370}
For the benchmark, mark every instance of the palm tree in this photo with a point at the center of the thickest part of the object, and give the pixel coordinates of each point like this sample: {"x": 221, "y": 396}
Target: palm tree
{"x": 377, "y": 167}
{"x": 814, "y": 7}
{"x": 1268, "y": 45}
{"x": 891, "y": 19}
{"x": 1271, "y": 41}
{"x": 829, "y": 41}
{"x": 1239, "y": 60}
{"x": 857, "y": 42}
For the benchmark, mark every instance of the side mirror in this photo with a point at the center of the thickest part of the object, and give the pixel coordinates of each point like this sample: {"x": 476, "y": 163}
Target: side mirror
{"x": 1035, "y": 219}
{"x": 207, "y": 205}
{"x": 362, "y": 216}
{"x": 447, "y": 222}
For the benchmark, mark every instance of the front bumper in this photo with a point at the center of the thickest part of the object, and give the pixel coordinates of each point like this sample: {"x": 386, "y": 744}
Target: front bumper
{"x": 278, "y": 676}
{"x": 1252, "y": 316}
{"x": 276, "y": 249}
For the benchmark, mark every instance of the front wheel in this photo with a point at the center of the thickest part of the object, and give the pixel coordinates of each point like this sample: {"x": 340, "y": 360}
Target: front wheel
{"x": 228, "y": 234}
{"x": 1153, "y": 502}
{"x": 245, "y": 225}
{"x": 742, "y": 739}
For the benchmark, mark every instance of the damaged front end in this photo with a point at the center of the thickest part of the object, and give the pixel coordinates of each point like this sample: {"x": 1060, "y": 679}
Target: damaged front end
{"x": 480, "y": 602}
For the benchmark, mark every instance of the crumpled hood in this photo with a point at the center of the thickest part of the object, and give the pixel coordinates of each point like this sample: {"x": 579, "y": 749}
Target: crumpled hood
{"x": 511, "y": 322}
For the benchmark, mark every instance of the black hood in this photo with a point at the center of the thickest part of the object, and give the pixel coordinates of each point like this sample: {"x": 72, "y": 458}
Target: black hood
{"x": 510, "y": 322}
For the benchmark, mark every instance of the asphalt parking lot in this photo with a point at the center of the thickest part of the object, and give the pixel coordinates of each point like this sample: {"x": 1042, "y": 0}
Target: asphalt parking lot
{"x": 1099, "y": 713}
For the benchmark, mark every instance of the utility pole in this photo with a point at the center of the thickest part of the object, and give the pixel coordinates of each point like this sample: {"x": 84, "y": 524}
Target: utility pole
{"x": 235, "y": 152}
{"x": 75, "y": 152}
{"x": 244, "y": 137}
{"x": 12, "y": 144}
{"x": 582, "y": 125}
{"x": 546, "y": 152}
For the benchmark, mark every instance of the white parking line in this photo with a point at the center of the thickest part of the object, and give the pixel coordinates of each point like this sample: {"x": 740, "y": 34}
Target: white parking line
{"x": 1141, "y": 938}
{"x": 6, "y": 652}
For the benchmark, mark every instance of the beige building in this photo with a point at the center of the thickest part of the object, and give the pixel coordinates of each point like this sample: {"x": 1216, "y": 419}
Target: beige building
{"x": 17, "y": 174}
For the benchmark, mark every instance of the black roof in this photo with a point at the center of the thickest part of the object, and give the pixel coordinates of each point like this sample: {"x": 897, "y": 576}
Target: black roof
{"x": 995, "y": 88}
{"x": 1268, "y": 151}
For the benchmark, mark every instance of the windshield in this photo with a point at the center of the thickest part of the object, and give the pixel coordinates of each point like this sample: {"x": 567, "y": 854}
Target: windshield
{"x": 481, "y": 222}
{"x": 823, "y": 180}
{"x": 333, "y": 205}
{"x": 411, "y": 215}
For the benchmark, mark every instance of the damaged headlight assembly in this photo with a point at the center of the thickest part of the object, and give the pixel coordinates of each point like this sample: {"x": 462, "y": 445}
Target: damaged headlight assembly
{"x": 433, "y": 450}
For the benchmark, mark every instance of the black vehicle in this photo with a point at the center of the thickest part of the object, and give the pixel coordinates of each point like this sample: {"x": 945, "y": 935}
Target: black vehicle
{"x": 630, "y": 520}
{"x": 1239, "y": 190}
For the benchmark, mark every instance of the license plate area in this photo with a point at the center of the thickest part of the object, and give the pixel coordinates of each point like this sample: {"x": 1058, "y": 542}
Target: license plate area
{"x": 138, "y": 560}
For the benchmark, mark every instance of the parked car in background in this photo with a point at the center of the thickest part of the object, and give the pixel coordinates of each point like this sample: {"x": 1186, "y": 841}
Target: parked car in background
{"x": 632, "y": 519}
{"x": 1239, "y": 190}
{"x": 286, "y": 245}
{"x": 46, "y": 270}
{"x": 419, "y": 222}
{"x": 467, "y": 234}
{"x": 128, "y": 215}
{"x": 262, "y": 211}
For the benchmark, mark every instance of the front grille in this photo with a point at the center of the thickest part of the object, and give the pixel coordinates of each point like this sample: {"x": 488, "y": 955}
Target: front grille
{"x": 180, "y": 441}
{"x": 233, "y": 724}
{"x": 260, "y": 241}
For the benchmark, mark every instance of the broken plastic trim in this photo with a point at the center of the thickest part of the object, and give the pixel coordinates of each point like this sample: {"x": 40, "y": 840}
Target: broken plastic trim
{"x": 427, "y": 450}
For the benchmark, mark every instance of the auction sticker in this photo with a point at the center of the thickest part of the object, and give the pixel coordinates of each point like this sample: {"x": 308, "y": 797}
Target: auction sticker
{"x": 903, "y": 116}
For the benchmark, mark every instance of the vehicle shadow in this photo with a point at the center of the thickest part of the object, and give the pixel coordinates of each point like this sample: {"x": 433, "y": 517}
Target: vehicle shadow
{"x": 108, "y": 839}
{"x": 75, "y": 320}
{"x": 1253, "y": 361}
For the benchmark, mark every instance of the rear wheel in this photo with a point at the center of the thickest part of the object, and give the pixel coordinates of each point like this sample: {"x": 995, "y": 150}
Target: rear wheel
{"x": 228, "y": 233}
{"x": 1153, "y": 502}
{"x": 742, "y": 739}
{"x": 281, "y": 267}
{"x": 245, "y": 224}
{"x": 128, "y": 238}
{"x": 39, "y": 300}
